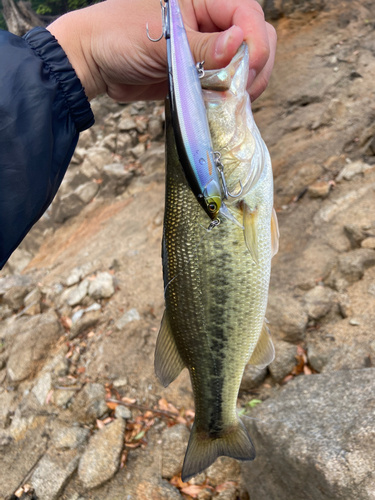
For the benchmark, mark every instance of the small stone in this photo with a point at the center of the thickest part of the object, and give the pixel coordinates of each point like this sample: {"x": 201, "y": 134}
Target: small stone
{"x": 352, "y": 169}
{"x": 5, "y": 311}
{"x": 175, "y": 440}
{"x": 157, "y": 489}
{"x": 138, "y": 150}
{"x": 354, "y": 322}
{"x": 65, "y": 207}
{"x": 86, "y": 192}
{"x": 15, "y": 296}
{"x": 368, "y": 243}
{"x": 32, "y": 297}
{"x": 19, "y": 260}
{"x": 42, "y": 388}
{"x": 124, "y": 142}
{"x": 88, "y": 320}
{"x": 224, "y": 469}
{"x": 120, "y": 382}
{"x": 354, "y": 234}
{"x": 90, "y": 403}
{"x": 115, "y": 179}
{"x": 101, "y": 459}
{"x": 78, "y": 293}
{"x": 126, "y": 124}
{"x": 353, "y": 264}
{"x": 155, "y": 128}
{"x": 344, "y": 305}
{"x": 131, "y": 315}
{"x": 77, "y": 273}
{"x": 6, "y": 402}
{"x": 285, "y": 360}
{"x": 287, "y": 314}
{"x": 230, "y": 493}
{"x": 252, "y": 377}
{"x": 53, "y": 472}
{"x": 109, "y": 142}
{"x": 123, "y": 412}
{"x": 319, "y": 189}
{"x": 62, "y": 397}
{"x": 318, "y": 302}
{"x": 102, "y": 286}
{"x": 69, "y": 437}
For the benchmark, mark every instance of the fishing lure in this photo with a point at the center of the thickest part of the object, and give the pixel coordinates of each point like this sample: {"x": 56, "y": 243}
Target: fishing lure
{"x": 202, "y": 166}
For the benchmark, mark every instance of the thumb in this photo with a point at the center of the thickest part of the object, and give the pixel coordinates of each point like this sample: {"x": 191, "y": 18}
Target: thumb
{"x": 216, "y": 49}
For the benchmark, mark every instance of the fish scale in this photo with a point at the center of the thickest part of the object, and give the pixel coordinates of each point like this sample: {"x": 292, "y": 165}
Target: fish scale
{"x": 216, "y": 284}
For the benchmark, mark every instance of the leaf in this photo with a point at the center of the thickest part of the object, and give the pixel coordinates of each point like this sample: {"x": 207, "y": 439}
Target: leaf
{"x": 193, "y": 490}
{"x": 139, "y": 435}
{"x": 100, "y": 424}
{"x": 112, "y": 406}
{"x": 128, "y": 401}
{"x": 254, "y": 402}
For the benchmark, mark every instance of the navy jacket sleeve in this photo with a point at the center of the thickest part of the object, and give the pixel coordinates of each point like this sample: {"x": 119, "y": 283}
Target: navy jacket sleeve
{"x": 43, "y": 108}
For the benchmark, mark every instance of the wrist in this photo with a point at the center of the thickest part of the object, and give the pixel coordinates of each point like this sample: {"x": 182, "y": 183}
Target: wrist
{"x": 73, "y": 32}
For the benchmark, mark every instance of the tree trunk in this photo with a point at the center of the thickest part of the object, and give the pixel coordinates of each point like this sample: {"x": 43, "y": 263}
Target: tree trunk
{"x": 20, "y": 17}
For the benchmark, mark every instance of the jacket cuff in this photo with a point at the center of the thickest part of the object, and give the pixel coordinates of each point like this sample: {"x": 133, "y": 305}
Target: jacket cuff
{"x": 48, "y": 49}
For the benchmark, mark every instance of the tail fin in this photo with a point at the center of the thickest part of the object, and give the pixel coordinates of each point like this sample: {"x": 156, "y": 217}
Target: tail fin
{"x": 202, "y": 451}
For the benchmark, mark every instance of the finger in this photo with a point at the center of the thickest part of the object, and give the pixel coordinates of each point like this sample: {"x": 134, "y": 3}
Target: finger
{"x": 216, "y": 49}
{"x": 257, "y": 86}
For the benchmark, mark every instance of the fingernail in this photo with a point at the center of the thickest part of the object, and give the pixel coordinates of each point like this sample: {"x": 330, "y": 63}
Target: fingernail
{"x": 222, "y": 42}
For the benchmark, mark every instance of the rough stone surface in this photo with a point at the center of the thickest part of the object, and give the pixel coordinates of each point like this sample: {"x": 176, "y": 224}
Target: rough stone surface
{"x": 285, "y": 360}
{"x": 131, "y": 315}
{"x": 77, "y": 293}
{"x": 102, "y": 286}
{"x": 175, "y": 440}
{"x": 353, "y": 264}
{"x": 69, "y": 437}
{"x": 368, "y": 243}
{"x": 315, "y": 436}
{"x": 352, "y": 169}
{"x": 77, "y": 273}
{"x": 101, "y": 458}
{"x": 252, "y": 377}
{"x": 350, "y": 358}
{"x": 15, "y": 296}
{"x": 287, "y": 315}
{"x": 89, "y": 404}
{"x": 31, "y": 345}
{"x": 355, "y": 234}
{"x": 222, "y": 470}
{"x": 123, "y": 412}
{"x": 88, "y": 320}
{"x": 42, "y": 388}
{"x": 53, "y": 472}
{"x": 318, "y": 302}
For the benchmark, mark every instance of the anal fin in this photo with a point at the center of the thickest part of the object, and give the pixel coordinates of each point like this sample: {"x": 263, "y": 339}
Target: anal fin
{"x": 168, "y": 362}
{"x": 250, "y": 222}
{"x": 264, "y": 352}
{"x": 275, "y": 234}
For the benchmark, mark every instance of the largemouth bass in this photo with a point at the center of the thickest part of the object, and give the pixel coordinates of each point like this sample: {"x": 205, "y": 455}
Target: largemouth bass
{"x": 216, "y": 282}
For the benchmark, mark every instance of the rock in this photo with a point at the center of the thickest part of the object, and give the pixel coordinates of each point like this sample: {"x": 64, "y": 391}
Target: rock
{"x": 222, "y": 470}
{"x": 42, "y": 388}
{"x": 349, "y": 358}
{"x": 14, "y": 297}
{"x": 109, "y": 142}
{"x": 15, "y": 281}
{"x": 285, "y": 360}
{"x": 355, "y": 234}
{"x": 123, "y": 412}
{"x": 322, "y": 437}
{"x": 115, "y": 179}
{"x": 318, "y": 302}
{"x": 368, "y": 243}
{"x": 65, "y": 207}
{"x": 53, "y": 472}
{"x": 86, "y": 139}
{"x": 19, "y": 260}
{"x": 252, "y": 377}
{"x": 61, "y": 397}
{"x": 89, "y": 404}
{"x": 95, "y": 160}
{"x": 156, "y": 489}
{"x": 154, "y": 159}
{"x": 155, "y": 128}
{"x": 344, "y": 305}
{"x": 353, "y": 264}
{"x": 319, "y": 189}
{"x": 6, "y": 406}
{"x": 127, "y": 123}
{"x": 69, "y": 437}
{"x": 129, "y": 316}
{"x": 78, "y": 293}
{"x": 101, "y": 459}
{"x": 31, "y": 345}
{"x": 229, "y": 493}
{"x": 77, "y": 273}
{"x": 138, "y": 150}
{"x": 320, "y": 353}
{"x": 102, "y": 286}
{"x": 175, "y": 440}
{"x": 86, "y": 192}
{"x": 124, "y": 142}
{"x": 352, "y": 169}
{"x": 32, "y": 302}
{"x": 88, "y": 320}
{"x": 5, "y": 311}
{"x": 288, "y": 316}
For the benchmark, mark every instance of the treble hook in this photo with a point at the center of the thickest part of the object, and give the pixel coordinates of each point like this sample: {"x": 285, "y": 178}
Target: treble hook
{"x": 220, "y": 168}
{"x": 163, "y": 23}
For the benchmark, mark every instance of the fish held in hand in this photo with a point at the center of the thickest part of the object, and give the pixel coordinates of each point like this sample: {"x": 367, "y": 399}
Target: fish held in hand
{"x": 216, "y": 281}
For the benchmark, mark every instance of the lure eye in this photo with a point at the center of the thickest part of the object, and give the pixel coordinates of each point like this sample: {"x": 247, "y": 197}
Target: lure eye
{"x": 212, "y": 207}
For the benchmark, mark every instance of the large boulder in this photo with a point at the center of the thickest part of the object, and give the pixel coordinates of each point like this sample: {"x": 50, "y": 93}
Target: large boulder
{"x": 315, "y": 440}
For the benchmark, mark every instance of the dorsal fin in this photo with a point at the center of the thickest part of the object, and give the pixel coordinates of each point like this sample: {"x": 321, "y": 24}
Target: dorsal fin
{"x": 264, "y": 352}
{"x": 168, "y": 362}
{"x": 275, "y": 234}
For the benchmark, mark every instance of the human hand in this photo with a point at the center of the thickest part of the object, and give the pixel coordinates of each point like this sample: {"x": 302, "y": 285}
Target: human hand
{"x": 108, "y": 47}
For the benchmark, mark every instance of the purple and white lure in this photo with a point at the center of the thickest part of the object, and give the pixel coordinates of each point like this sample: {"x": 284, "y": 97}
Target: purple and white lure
{"x": 200, "y": 163}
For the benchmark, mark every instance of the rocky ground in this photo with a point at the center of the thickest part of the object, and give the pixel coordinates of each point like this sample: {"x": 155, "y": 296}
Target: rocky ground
{"x": 82, "y": 416}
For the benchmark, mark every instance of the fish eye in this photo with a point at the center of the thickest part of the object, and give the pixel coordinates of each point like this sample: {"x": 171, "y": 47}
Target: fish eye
{"x": 212, "y": 207}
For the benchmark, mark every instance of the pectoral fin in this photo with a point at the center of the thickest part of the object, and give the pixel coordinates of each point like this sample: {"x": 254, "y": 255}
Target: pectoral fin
{"x": 250, "y": 222}
{"x": 168, "y": 362}
{"x": 264, "y": 352}
{"x": 275, "y": 234}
